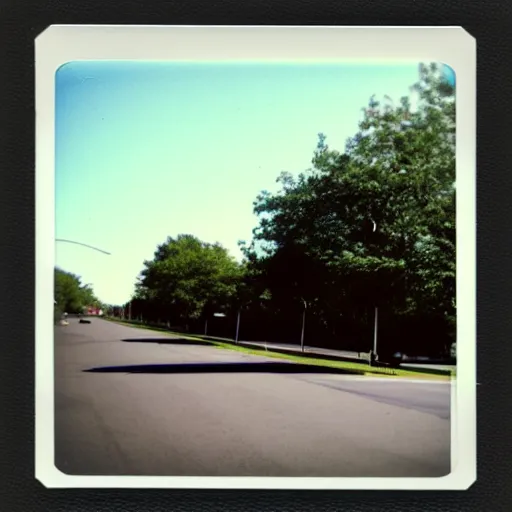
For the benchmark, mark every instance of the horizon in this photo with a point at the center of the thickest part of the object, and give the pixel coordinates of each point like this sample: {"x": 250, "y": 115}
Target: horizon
{"x": 147, "y": 150}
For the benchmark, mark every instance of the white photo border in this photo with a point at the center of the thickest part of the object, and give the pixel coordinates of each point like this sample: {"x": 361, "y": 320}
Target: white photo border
{"x": 453, "y": 46}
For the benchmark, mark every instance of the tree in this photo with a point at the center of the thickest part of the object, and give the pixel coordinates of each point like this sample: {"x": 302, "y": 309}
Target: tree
{"x": 188, "y": 278}
{"x": 375, "y": 225}
{"x": 70, "y": 295}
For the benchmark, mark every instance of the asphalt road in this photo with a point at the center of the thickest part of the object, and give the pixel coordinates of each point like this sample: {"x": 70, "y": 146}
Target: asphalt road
{"x": 134, "y": 402}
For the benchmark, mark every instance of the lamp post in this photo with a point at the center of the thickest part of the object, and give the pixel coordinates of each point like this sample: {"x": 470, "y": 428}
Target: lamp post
{"x": 82, "y": 244}
{"x": 65, "y": 240}
{"x": 237, "y": 326}
{"x": 303, "y": 326}
{"x": 375, "y": 330}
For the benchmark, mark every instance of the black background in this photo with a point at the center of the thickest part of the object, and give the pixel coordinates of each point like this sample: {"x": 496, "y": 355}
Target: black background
{"x": 21, "y": 21}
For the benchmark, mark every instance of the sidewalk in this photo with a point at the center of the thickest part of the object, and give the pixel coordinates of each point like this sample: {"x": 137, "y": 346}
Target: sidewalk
{"x": 346, "y": 354}
{"x": 340, "y": 355}
{"x": 343, "y": 355}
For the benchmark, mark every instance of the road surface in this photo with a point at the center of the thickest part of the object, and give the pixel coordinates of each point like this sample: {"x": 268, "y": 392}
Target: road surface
{"x": 130, "y": 401}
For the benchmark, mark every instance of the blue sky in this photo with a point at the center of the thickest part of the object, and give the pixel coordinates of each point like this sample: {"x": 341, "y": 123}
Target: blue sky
{"x": 149, "y": 150}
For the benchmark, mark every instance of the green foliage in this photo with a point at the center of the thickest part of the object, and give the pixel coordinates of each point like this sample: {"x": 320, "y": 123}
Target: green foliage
{"x": 70, "y": 295}
{"x": 188, "y": 277}
{"x": 373, "y": 225}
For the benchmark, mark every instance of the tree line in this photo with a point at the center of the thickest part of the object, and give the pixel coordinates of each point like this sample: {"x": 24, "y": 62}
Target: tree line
{"x": 71, "y": 295}
{"x": 370, "y": 226}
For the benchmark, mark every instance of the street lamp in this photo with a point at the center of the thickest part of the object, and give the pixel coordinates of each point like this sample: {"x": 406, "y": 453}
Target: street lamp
{"x": 375, "y": 331}
{"x": 237, "y": 325}
{"x": 303, "y": 326}
{"x": 83, "y": 245}
{"x": 64, "y": 240}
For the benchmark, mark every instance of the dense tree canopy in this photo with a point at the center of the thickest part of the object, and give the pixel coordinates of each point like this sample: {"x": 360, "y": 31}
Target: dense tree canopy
{"x": 187, "y": 278}
{"x": 372, "y": 226}
{"x": 375, "y": 225}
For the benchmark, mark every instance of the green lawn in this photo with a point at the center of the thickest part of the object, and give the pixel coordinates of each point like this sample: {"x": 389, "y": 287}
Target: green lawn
{"x": 350, "y": 367}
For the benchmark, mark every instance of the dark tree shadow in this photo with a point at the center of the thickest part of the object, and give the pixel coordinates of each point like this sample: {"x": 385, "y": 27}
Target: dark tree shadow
{"x": 187, "y": 368}
{"x": 168, "y": 341}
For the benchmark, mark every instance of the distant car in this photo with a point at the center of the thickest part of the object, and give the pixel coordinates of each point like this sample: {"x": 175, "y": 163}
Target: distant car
{"x": 84, "y": 321}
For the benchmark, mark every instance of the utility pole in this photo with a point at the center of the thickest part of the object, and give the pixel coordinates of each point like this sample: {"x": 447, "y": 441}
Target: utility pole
{"x": 375, "y": 330}
{"x": 206, "y": 326}
{"x": 303, "y": 326}
{"x": 237, "y": 326}
{"x": 130, "y": 311}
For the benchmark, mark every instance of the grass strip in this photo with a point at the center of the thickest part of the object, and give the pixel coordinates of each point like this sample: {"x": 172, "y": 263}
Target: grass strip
{"x": 351, "y": 367}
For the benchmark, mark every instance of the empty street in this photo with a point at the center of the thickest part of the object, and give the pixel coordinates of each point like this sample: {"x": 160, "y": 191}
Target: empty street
{"x": 130, "y": 401}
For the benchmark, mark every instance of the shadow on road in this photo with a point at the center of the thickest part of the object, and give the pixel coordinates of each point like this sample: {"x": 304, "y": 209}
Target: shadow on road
{"x": 265, "y": 367}
{"x": 168, "y": 341}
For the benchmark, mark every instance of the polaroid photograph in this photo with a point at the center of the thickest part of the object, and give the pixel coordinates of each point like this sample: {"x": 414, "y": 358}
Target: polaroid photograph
{"x": 255, "y": 257}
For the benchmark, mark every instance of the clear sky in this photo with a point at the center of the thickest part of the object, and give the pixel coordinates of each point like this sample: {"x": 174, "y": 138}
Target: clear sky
{"x": 149, "y": 150}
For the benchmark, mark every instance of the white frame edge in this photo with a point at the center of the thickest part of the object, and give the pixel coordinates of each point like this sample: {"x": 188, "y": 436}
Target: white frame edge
{"x": 451, "y": 45}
